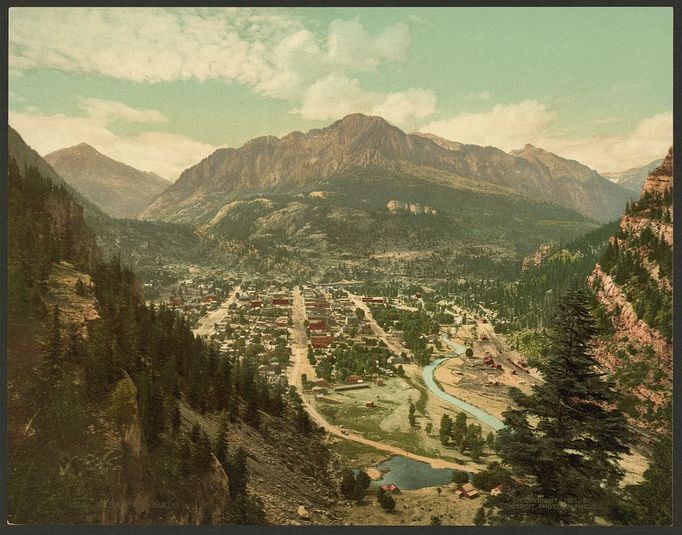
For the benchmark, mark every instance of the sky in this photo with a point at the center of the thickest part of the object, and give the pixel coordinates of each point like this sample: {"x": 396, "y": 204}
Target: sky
{"x": 160, "y": 89}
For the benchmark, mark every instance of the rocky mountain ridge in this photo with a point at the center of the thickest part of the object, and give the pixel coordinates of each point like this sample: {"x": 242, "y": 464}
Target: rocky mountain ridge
{"x": 300, "y": 162}
{"x": 633, "y": 178}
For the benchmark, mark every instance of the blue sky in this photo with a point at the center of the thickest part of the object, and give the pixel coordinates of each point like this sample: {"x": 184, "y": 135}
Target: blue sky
{"x": 162, "y": 88}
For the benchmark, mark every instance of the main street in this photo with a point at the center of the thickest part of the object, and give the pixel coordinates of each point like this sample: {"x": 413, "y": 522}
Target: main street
{"x": 206, "y": 324}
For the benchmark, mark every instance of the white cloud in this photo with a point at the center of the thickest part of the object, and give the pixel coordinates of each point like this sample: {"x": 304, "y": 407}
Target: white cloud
{"x": 511, "y": 126}
{"x": 335, "y": 96}
{"x": 506, "y": 126}
{"x": 165, "y": 154}
{"x": 111, "y": 109}
{"x": 273, "y": 54}
{"x": 648, "y": 141}
{"x": 350, "y": 45}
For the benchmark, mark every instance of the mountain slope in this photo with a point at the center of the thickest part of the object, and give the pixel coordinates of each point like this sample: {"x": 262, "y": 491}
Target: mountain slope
{"x": 633, "y": 284}
{"x": 356, "y": 144}
{"x": 119, "y": 189}
{"x": 633, "y": 178}
{"x": 577, "y": 184}
{"x": 26, "y": 157}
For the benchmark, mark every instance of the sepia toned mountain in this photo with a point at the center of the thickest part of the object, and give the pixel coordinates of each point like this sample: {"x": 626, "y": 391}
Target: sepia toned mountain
{"x": 118, "y": 189}
{"x": 360, "y": 145}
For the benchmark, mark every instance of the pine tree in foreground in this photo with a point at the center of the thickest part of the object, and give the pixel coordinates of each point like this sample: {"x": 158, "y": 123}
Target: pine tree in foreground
{"x": 563, "y": 442}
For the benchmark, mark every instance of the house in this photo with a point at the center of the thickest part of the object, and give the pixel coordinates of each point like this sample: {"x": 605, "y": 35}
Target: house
{"x": 281, "y": 301}
{"x": 319, "y": 390}
{"x": 321, "y": 382}
{"x": 257, "y": 303}
{"x": 497, "y": 490}
{"x": 467, "y": 491}
{"x": 320, "y": 325}
{"x": 319, "y": 342}
{"x": 353, "y": 379}
{"x": 390, "y": 487}
{"x": 351, "y": 387}
{"x": 379, "y": 381}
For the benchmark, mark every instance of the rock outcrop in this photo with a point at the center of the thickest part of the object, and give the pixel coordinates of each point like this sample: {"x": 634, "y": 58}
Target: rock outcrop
{"x": 396, "y": 207}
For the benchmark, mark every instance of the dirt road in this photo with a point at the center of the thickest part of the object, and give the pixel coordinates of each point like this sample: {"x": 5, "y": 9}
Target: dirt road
{"x": 392, "y": 344}
{"x": 206, "y": 324}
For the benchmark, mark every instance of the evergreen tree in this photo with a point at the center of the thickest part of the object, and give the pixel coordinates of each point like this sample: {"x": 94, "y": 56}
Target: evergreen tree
{"x": 237, "y": 474}
{"x": 221, "y": 443}
{"x": 569, "y": 453}
{"x": 652, "y": 499}
{"x": 52, "y": 362}
{"x": 347, "y": 483}
{"x": 459, "y": 429}
{"x": 411, "y": 417}
{"x": 153, "y": 414}
{"x": 202, "y": 459}
{"x": 445, "y": 431}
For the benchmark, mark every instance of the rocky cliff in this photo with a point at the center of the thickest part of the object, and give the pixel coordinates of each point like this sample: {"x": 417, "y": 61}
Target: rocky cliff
{"x": 633, "y": 285}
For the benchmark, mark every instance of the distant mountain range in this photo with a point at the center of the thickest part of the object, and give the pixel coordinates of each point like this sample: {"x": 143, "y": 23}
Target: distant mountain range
{"x": 357, "y": 143}
{"x": 359, "y": 188}
{"x": 118, "y": 189}
{"x": 635, "y": 177}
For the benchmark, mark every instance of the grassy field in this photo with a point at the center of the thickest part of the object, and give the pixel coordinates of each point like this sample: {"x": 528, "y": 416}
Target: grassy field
{"x": 388, "y": 421}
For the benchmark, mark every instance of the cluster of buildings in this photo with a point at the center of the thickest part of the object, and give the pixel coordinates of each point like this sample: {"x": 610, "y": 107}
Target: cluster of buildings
{"x": 258, "y": 319}
{"x": 331, "y": 317}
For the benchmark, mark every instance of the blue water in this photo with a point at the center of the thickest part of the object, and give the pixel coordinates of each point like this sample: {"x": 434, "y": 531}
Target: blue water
{"x": 459, "y": 349}
{"x": 409, "y": 474}
{"x": 477, "y": 413}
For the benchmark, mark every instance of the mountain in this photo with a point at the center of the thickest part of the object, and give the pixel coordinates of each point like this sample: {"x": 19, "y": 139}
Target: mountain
{"x": 633, "y": 178}
{"x": 357, "y": 143}
{"x": 577, "y": 185}
{"x": 119, "y": 189}
{"x": 633, "y": 285}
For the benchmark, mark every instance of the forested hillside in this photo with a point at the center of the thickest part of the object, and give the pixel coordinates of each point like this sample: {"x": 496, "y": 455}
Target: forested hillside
{"x": 111, "y": 399}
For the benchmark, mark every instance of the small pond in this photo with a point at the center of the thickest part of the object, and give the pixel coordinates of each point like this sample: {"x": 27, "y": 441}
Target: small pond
{"x": 409, "y": 474}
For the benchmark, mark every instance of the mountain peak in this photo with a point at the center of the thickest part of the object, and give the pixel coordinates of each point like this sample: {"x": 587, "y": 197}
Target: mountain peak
{"x": 360, "y": 121}
{"x": 115, "y": 187}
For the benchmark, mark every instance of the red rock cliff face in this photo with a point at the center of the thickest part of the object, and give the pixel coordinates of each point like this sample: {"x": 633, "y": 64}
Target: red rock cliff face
{"x": 638, "y": 354}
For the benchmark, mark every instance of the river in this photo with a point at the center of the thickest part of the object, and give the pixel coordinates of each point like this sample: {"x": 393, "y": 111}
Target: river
{"x": 477, "y": 413}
